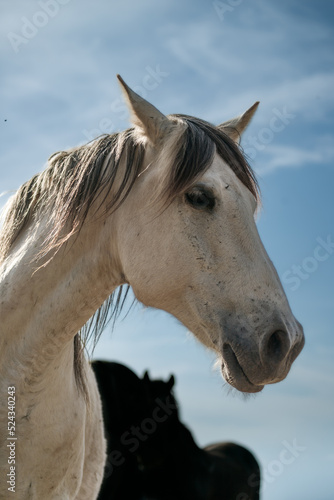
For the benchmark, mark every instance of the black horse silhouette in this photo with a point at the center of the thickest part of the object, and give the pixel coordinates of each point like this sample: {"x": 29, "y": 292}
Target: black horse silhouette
{"x": 153, "y": 456}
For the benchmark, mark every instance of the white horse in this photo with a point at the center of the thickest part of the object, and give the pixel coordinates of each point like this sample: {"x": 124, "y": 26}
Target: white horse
{"x": 166, "y": 207}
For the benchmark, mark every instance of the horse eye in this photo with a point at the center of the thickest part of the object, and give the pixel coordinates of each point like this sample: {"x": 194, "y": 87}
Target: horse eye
{"x": 200, "y": 199}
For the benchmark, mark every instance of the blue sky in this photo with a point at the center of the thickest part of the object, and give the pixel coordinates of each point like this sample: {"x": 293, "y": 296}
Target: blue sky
{"x": 59, "y": 59}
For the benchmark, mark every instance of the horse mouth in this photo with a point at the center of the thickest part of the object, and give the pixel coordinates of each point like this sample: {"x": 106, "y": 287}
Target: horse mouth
{"x": 234, "y": 374}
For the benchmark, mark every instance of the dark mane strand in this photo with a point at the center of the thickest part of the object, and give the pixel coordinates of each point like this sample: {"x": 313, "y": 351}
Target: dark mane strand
{"x": 193, "y": 156}
{"x": 201, "y": 140}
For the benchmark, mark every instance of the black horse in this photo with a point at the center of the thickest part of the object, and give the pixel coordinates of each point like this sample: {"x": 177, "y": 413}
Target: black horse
{"x": 153, "y": 456}
{"x": 173, "y": 467}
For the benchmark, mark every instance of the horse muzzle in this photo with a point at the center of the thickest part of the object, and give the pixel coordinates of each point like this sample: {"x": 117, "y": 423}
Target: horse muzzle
{"x": 248, "y": 365}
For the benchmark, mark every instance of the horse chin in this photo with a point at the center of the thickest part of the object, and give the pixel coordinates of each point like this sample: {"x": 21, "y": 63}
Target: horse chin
{"x": 234, "y": 374}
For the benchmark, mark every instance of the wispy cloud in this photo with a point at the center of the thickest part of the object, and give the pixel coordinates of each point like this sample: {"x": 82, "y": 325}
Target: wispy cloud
{"x": 292, "y": 157}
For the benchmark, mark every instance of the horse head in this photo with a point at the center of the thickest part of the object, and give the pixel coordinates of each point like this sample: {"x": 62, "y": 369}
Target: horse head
{"x": 188, "y": 244}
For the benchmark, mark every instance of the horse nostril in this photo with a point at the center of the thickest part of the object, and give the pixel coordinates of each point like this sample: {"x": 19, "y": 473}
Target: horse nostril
{"x": 277, "y": 346}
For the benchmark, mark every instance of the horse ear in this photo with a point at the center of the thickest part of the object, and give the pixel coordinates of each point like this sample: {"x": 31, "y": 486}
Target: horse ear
{"x": 146, "y": 377}
{"x": 171, "y": 382}
{"x": 144, "y": 115}
{"x": 235, "y": 127}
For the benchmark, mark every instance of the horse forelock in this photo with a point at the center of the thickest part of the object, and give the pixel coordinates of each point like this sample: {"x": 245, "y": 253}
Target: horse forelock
{"x": 194, "y": 153}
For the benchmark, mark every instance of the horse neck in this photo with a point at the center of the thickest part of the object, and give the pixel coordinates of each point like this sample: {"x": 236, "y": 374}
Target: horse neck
{"x": 180, "y": 466}
{"x": 188, "y": 442}
{"x": 46, "y": 305}
{"x": 175, "y": 445}
{"x": 186, "y": 455}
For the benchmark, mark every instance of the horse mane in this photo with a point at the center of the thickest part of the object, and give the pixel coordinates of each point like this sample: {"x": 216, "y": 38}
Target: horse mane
{"x": 74, "y": 180}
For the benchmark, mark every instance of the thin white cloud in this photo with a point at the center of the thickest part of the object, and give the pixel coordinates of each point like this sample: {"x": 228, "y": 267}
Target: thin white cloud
{"x": 213, "y": 51}
{"x": 292, "y": 157}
